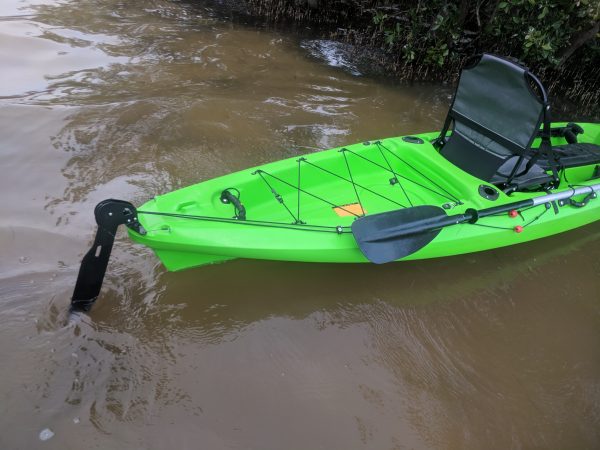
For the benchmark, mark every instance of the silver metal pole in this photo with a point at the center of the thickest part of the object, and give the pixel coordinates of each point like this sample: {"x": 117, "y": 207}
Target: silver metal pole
{"x": 571, "y": 192}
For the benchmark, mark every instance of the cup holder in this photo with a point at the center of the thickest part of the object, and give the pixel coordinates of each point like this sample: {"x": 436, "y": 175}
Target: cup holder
{"x": 488, "y": 192}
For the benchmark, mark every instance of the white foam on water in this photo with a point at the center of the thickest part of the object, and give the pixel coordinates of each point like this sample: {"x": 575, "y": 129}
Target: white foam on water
{"x": 335, "y": 54}
{"x": 46, "y": 434}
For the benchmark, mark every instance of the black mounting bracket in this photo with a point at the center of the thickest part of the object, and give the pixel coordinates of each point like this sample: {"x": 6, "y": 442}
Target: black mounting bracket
{"x": 109, "y": 215}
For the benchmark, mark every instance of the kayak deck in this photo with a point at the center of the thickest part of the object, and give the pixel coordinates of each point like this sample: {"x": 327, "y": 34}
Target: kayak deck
{"x": 301, "y": 209}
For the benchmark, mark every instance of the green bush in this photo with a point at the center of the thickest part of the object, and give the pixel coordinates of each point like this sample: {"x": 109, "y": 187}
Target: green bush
{"x": 539, "y": 32}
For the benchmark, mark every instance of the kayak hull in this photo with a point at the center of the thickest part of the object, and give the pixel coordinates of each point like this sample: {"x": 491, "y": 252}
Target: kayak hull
{"x": 302, "y": 208}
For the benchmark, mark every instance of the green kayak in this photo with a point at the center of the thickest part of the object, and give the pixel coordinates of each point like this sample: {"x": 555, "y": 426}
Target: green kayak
{"x": 499, "y": 173}
{"x": 302, "y": 209}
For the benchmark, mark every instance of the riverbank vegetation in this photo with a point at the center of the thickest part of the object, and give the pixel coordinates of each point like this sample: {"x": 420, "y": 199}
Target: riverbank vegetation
{"x": 430, "y": 40}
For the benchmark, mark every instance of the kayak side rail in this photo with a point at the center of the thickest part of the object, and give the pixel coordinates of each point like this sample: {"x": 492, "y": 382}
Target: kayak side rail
{"x": 109, "y": 215}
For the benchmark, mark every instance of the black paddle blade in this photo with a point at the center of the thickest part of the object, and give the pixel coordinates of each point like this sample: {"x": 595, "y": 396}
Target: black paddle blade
{"x": 393, "y": 235}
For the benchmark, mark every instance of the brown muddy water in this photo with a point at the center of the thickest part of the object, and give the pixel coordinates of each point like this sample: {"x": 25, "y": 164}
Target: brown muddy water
{"x": 106, "y": 98}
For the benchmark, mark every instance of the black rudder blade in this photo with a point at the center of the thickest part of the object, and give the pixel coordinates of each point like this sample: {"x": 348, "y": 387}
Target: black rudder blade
{"x": 109, "y": 215}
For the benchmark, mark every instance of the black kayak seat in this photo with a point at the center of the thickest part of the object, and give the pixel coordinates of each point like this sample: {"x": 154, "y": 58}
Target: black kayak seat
{"x": 497, "y": 112}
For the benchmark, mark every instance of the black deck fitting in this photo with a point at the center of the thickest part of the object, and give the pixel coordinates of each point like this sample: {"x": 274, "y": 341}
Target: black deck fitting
{"x": 109, "y": 215}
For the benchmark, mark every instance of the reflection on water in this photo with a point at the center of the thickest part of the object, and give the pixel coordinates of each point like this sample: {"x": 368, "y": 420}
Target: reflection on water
{"x": 131, "y": 99}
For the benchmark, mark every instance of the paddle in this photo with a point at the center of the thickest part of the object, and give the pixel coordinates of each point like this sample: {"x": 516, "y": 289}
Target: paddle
{"x": 393, "y": 235}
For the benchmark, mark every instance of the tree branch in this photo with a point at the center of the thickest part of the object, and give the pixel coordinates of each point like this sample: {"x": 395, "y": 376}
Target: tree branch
{"x": 580, "y": 39}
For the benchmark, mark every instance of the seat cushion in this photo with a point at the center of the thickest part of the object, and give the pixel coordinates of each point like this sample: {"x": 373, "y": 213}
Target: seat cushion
{"x": 534, "y": 177}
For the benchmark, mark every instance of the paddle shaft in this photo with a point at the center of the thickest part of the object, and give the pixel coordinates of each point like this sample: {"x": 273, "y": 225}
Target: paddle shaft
{"x": 469, "y": 215}
{"x": 472, "y": 215}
